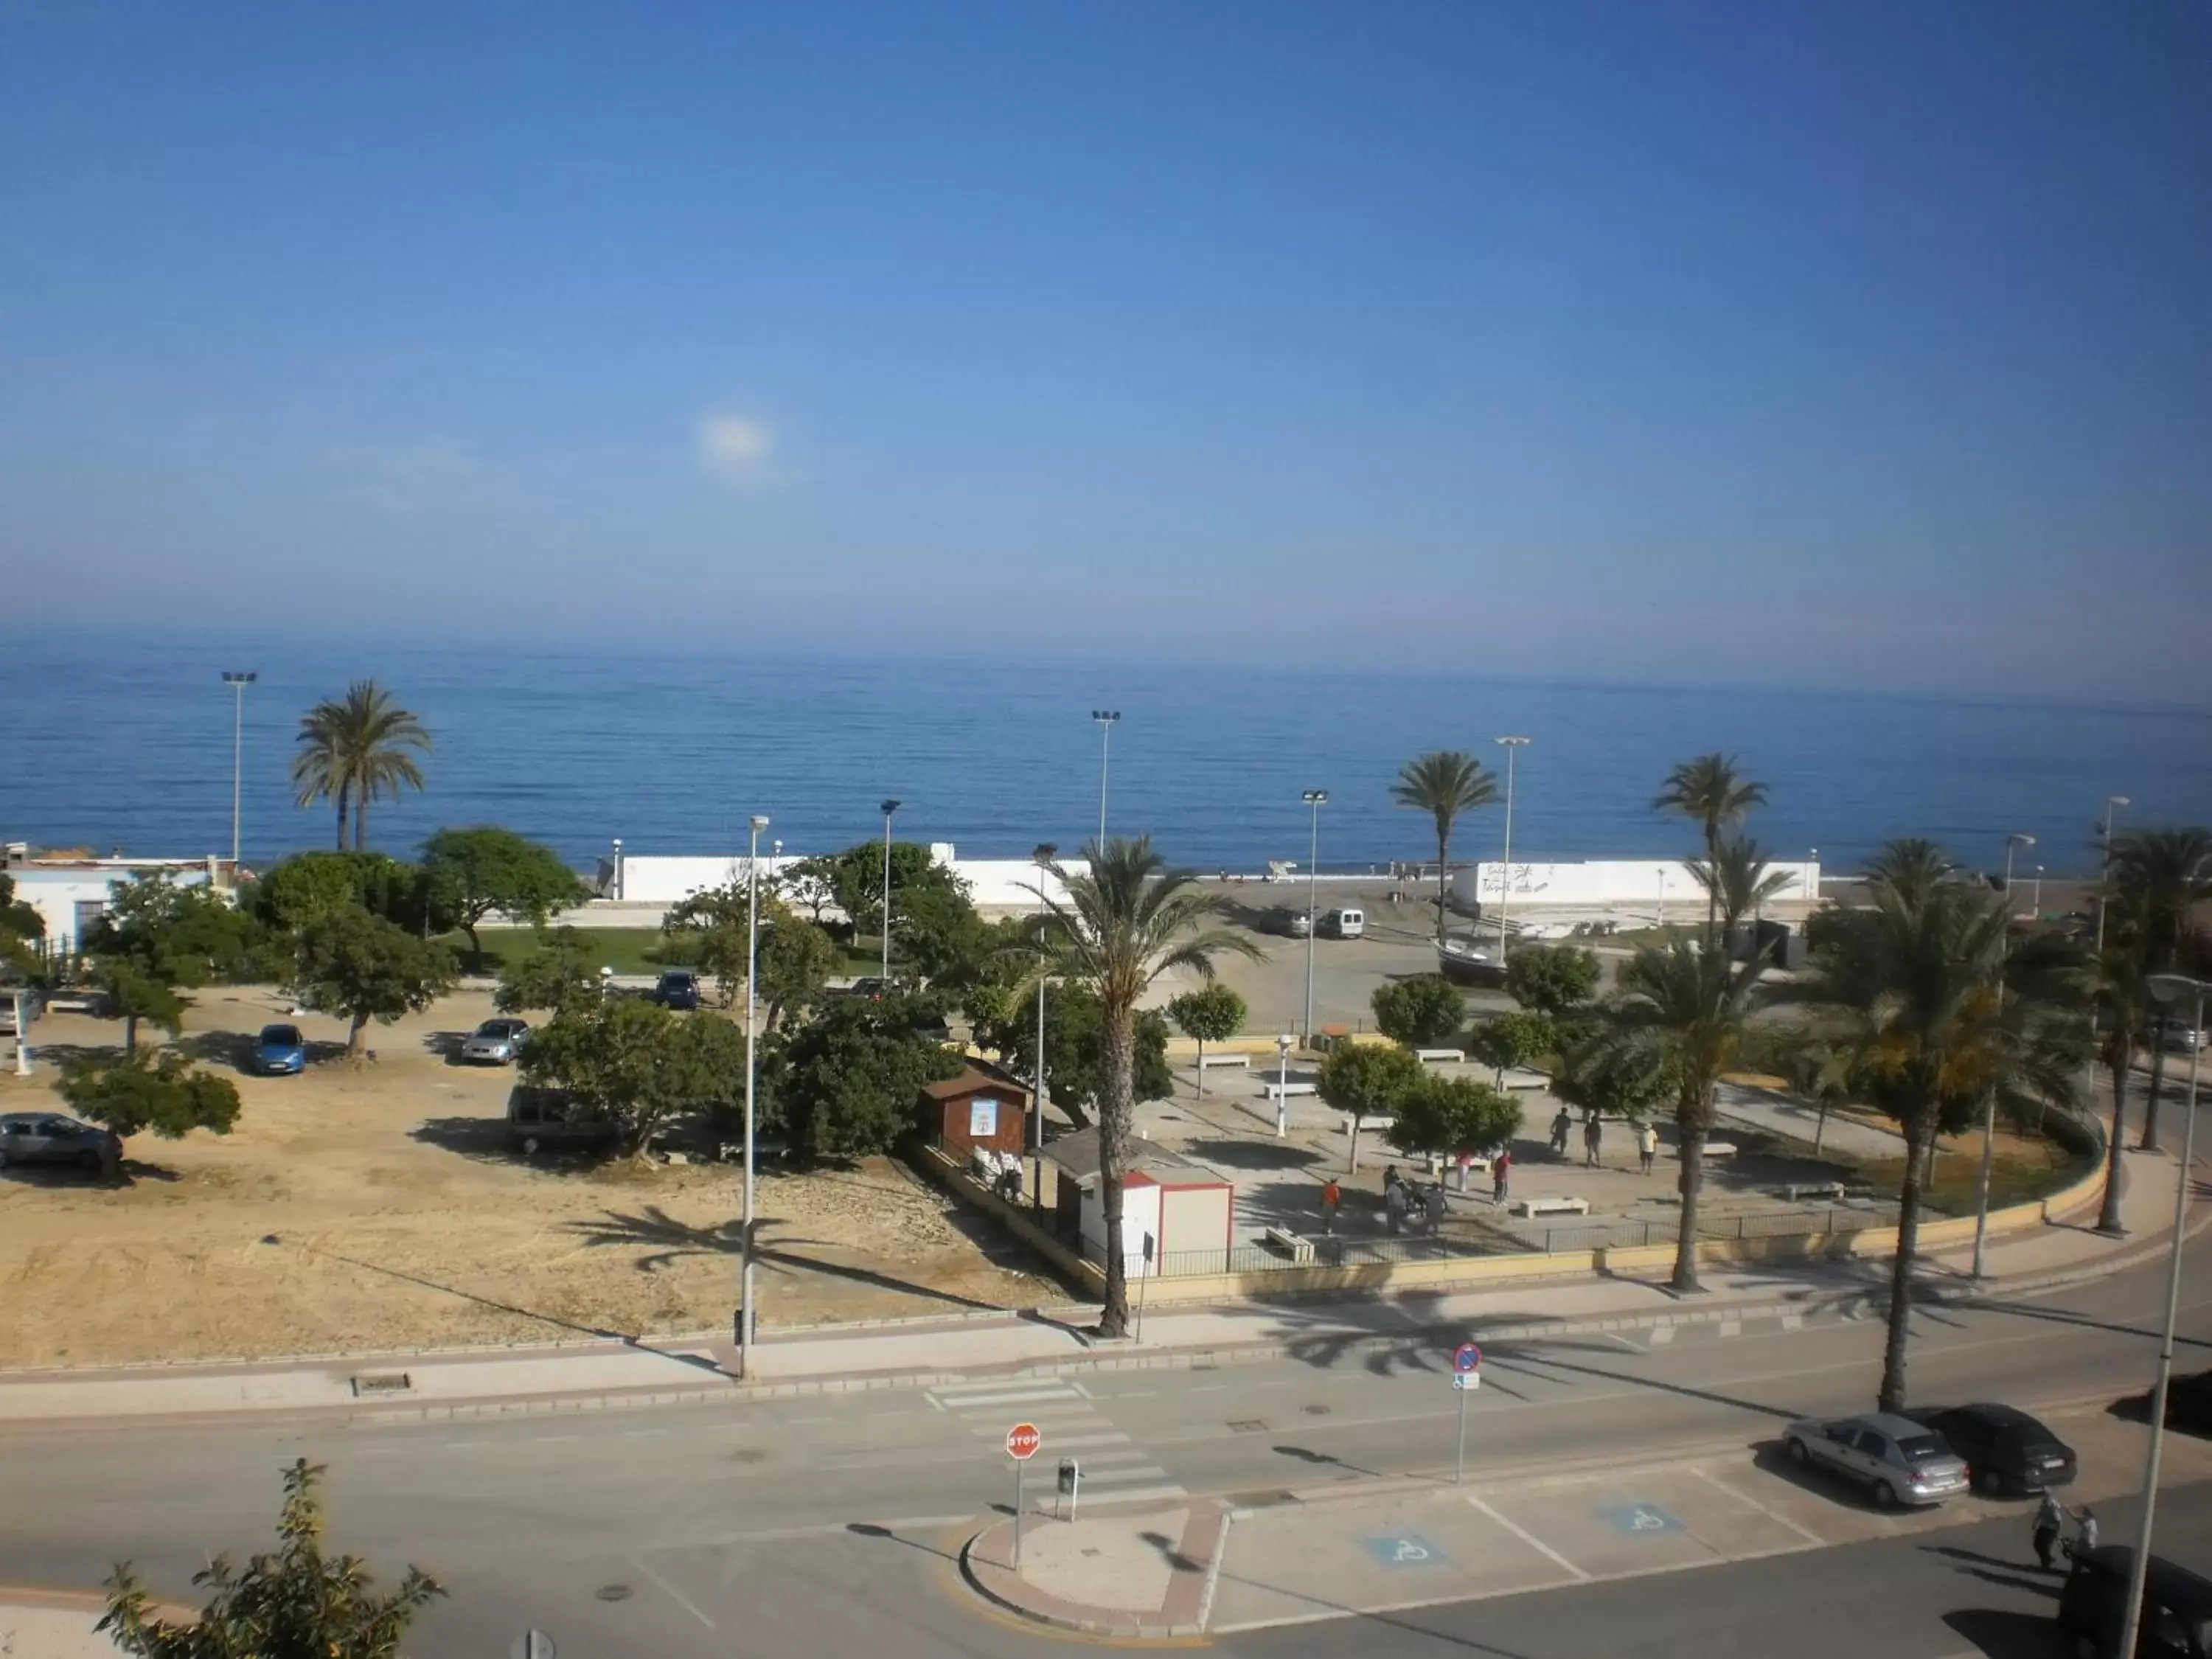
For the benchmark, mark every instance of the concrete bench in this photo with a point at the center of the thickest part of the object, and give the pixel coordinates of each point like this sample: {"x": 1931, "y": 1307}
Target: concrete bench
{"x": 1520, "y": 1076}
{"x": 1719, "y": 1149}
{"x": 1368, "y": 1124}
{"x": 1278, "y": 1090}
{"x": 1297, "y": 1246}
{"x": 1441, "y": 1056}
{"x": 75, "y": 1002}
{"x": 1833, "y": 1191}
{"x": 1530, "y": 1208}
{"x": 1207, "y": 1062}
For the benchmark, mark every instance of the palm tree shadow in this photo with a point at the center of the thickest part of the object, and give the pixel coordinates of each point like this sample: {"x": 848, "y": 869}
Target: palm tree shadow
{"x": 670, "y": 1241}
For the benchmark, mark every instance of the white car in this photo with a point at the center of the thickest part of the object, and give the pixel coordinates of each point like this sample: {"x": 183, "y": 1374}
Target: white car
{"x": 495, "y": 1043}
{"x": 1896, "y": 1459}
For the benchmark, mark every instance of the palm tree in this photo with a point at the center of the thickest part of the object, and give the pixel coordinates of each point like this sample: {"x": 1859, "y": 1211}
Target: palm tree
{"x": 1688, "y": 1009}
{"x": 1918, "y": 987}
{"x": 1737, "y": 879}
{"x": 1122, "y": 925}
{"x": 2117, "y": 991}
{"x": 1911, "y": 868}
{"x": 1710, "y": 792}
{"x": 2159, "y": 878}
{"x": 356, "y": 749}
{"x": 1444, "y": 783}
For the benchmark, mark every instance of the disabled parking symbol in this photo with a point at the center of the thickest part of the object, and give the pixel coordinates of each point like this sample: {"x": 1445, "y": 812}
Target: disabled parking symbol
{"x": 1639, "y": 1520}
{"x": 1404, "y": 1549}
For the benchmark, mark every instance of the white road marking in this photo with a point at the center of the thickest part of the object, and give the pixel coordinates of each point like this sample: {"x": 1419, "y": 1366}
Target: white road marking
{"x": 549, "y": 1440}
{"x": 1749, "y": 1502}
{"x": 674, "y": 1594}
{"x": 1731, "y": 1327}
{"x": 1530, "y": 1538}
{"x": 1079, "y": 1442}
{"x": 1138, "y": 1494}
{"x": 1115, "y": 1477}
{"x": 1661, "y": 1336}
{"x": 961, "y": 1402}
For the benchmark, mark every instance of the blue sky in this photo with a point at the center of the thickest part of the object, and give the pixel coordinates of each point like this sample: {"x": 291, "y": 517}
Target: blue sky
{"x": 1862, "y": 344}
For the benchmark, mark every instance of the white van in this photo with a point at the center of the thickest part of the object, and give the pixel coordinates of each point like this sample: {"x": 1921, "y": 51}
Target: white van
{"x": 1345, "y": 924}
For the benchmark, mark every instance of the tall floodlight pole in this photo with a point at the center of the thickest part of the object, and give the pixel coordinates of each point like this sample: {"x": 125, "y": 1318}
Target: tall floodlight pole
{"x": 1106, "y": 719}
{"x": 752, "y": 962}
{"x": 2104, "y": 871}
{"x": 2168, "y": 988}
{"x": 1512, "y": 745}
{"x": 2013, "y": 843}
{"x": 1315, "y": 800}
{"x": 890, "y": 806}
{"x": 237, "y": 682}
{"x": 1045, "y": 854}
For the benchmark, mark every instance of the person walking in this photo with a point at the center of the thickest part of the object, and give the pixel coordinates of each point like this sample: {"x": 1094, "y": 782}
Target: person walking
{"x": 1501, "y": 1172}
{"x": 1436, "y": 1207}
{"x": 1647, "y": 1144}
{"x": 1394, "y": 1204}
{"x": 1593, "y": 1140}
{"x": 2085, "y": 1533}
{"x": 1331, "y": 1196}
{"x": 2049, "y": 1522}
{"x": 1560, "y": 1125}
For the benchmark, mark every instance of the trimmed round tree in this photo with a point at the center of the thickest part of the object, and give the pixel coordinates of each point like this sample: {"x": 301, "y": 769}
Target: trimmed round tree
{"x": 1212, "y": 1013}
{"x": 1506, "y": 1041}
{"x": 1419, "y": 1011}
{"x": 1442, "y": 1116}
{"x": 1552, "y": 979}
{"x": 1367, "y": 1079}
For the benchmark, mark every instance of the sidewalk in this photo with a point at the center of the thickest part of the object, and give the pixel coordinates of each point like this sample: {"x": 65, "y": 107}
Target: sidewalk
{"x": 612, "y": 1374}
{"x": 52, "y": 1624}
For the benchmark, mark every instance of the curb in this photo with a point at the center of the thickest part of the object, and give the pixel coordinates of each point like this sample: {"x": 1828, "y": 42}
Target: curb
{"x": 990, "y": 1580}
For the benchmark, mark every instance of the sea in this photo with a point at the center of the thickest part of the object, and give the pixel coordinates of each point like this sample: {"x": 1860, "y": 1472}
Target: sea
{"x": 124, "y": 742}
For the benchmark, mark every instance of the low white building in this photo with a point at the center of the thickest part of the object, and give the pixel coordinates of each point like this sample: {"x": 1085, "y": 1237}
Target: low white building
{"x": 1644, "y": 889}
{"x": 71, "y": 894}
{"x": 994, "y": 884}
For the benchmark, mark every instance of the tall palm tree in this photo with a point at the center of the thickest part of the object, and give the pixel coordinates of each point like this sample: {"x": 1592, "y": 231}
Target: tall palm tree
{"x": 355, "y": 748}
{"x": 2158, "y": 879}
{"x": 1444, "y": 783}
{"x": 1709, "y": 791}
{"x": 2117, "y": 991}
{"x": 1737, "y": 878}
{"x": 1688, "y": 1009}
{"x": 1123, "y": 924}
{"x": 1910, "y": 868}
{"x": 1917, "y": 986}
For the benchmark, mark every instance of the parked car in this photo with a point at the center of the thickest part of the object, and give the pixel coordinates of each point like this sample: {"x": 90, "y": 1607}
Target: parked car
{"x": 1896, "y": 1459}
{"x": 33, "y": 1007}
{"x": 49, "y": 1138}
{"x": 2189, "y": 1402}
{"x": 2181, "y": 1039}
{"x": 1344, "y": 924}
{"x": 495, "y": 1043}
{"x": 1292, "y": 924}
{"x": 2177, "y": 1611}
{"x": 677, "y": 988}
{"x": 2005, "y": 1449}
{"x": 545, "y": 1119}
{"x": 871, "y": 987}
{"x": 280, "y": 1051}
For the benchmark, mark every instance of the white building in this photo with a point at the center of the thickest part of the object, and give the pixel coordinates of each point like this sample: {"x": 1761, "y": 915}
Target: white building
{"x": 994, "y": 884}
{"x": 1648, "y": 890}
{"x": 71, "y": 894}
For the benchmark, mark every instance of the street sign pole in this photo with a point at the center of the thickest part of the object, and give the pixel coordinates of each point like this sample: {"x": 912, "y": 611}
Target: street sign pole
{"x": 1459, "y": 1465}
{"x": 1021, "y": 1443}
{"x": 1467, "y": 1378}
{"x": 1020, "y": 1463}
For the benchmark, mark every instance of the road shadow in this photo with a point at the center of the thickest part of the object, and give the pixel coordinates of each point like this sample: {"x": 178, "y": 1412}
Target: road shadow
{"x": 870, "y": 1529}
{"x": 2007, "y": 1635}
{"x": 129, "y": 1173}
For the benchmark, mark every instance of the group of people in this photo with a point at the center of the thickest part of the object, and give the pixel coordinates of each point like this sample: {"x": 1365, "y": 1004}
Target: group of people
{"x": 1647, "y": 1140}
{"x": 2050, "y": 1523}
{"x": 1407, "y": 1201}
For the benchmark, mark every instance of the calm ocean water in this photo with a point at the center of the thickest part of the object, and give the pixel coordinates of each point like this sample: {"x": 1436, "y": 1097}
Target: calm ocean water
{"x": 126, "y": 742}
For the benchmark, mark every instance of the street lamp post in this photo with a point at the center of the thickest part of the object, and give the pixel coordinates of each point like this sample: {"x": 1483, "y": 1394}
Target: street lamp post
{"x": 2167, "y": 988}
{"x": 237, "y": 682}
{"x": 890, "y": 806}
{"x": 1315, "y": 800}
{"x": 1282, "y": 1085}
{"x": 1106, "y": 719}
{"x": 1512, "y": 745}
{"x": 2035, "y": 894}
{"x": 752, "y": 961}
{"x": 2013, "y": 843}
{"x": 2104, "y": 872}
{"x": 1045, "y": 854}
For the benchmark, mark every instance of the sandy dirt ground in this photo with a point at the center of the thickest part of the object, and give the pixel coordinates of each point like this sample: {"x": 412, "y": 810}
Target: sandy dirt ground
{"x": 381, "y": 1208}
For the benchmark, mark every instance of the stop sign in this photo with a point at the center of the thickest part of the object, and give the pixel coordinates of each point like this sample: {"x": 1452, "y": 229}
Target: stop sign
{"x": 1023, "y": 1440}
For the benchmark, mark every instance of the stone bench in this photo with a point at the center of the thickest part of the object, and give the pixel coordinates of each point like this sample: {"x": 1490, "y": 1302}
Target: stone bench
{"x": 1278, "y": 1090}
{"x": 1530, "y": 1208}
{"x": 1368, "y": 1124}
{"x": 1520, "y": 1076}
{"x": 1441, "y": 1056}
{"x": 1797, "y": 1192}
{"x": 1719, "y": 1149}
{"x": 1207, "y": 1062}
{"x": 1297, "y": 1246}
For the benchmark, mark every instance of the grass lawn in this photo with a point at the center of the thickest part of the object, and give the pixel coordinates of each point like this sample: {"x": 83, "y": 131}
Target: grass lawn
{"x": 2024, "y": 1170}
{"x": 625, "y": 950}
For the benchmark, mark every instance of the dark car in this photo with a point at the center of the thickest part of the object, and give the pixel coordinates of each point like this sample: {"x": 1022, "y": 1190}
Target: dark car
{"x": 2177, "y": 1612}
{"x": 49, "y": 1138}
{"x": 2189, "y": 1402}
{"x": 677, "y": 989}
{"x": 2005, "y": 1450}
{"x": 280, "y": 1051}
{"x": 871, "y": 987}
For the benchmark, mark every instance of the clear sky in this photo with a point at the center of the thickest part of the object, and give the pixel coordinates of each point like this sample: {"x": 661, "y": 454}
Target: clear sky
{"x": 1864, "y": 343}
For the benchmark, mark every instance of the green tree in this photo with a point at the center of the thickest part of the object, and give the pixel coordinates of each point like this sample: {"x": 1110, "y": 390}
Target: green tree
{"x": 362, "y": 966}
{"x": 796, "y": 960}
{"x": 1123, "y": 923}
{"x": 2118, "y": 991}
{"x": 1420, "y": 1011}
{"x": 848, "y": 1079}
{"x": 934, "y": 927}
{"x": 1367, "y": 1079}
{"x": 1713, "y": 794}
{"x": 1919, "y": 988}
{"x": 1552, "y": 979}
{"x": 1444, "y": 783}
{"x": 487, "y": 869}
{"x": 295, "y": 1604}
{"x": 145, "y": 1093}
{"x": 1439, "y": 1116}
{"x": 177, "y": 935}
{"x": 1610, "y": 1078}
{"x": 1509, "y": 1040}
{"x": 557, "y": 975}
{"x": 1075, "y": 1058}
{"x": 635, "y": 1064}
{"x": 134, "y": 994}
{"x": 21, "y": 930}
{"x": 305, "y": 885}
{"x": 1212, "y": 1013}
{"x": 2158, "y": 877}
{"x": 809, "y": 885}
{"x": 1821, "y": 1069}
{"x": 1685, "y": 1011}
{"x": 355, "y": 748}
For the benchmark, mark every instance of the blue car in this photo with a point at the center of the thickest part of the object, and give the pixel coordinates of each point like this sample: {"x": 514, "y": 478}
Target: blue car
{"x": 279, "y": 1050}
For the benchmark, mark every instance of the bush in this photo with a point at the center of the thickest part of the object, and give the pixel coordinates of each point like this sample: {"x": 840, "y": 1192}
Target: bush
{"x": 1551, "y": 979}
{"x": 1420, "y": 1011}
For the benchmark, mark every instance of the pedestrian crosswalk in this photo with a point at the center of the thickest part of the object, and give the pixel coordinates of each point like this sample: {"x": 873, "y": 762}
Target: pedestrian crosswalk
{"x": 1115, "y": 1469}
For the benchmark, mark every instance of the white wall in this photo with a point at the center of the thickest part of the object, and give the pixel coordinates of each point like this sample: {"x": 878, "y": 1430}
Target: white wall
{"x": 658, "y": 879}
{"x": 1599, "y": 883}
{"x": 56, "y": 893}
{"x": 1141, "y": 1214}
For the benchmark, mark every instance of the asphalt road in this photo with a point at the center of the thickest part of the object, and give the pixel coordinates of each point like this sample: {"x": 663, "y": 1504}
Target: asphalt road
{"x": 802, "y": 1527}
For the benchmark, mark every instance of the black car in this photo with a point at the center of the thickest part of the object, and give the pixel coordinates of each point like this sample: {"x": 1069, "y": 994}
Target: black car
{"x": 2177, "y": 1614}
{"x": 2189, "y": 1402}
{"x": 2005, "y": 1449}
{"x": 677, "y": 989}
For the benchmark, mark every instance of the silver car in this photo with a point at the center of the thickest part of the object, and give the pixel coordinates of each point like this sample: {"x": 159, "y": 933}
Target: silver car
{"x": 495, "y": 1043}
{"x": 1896, "y": 1459}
